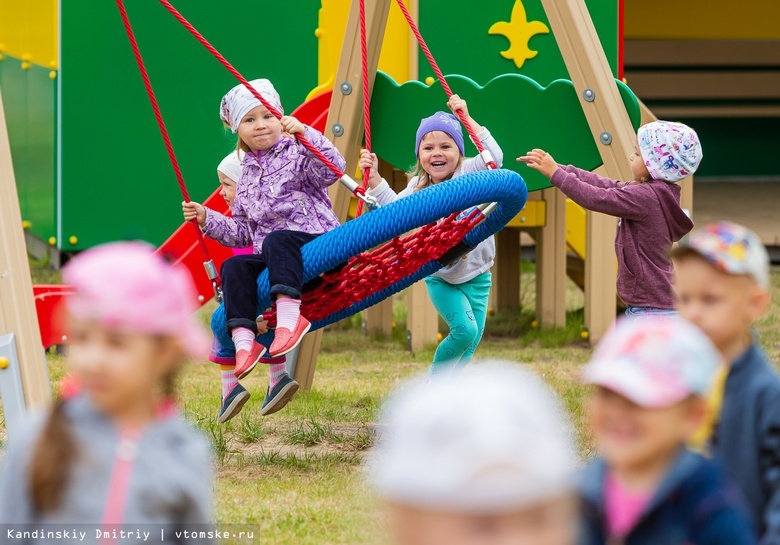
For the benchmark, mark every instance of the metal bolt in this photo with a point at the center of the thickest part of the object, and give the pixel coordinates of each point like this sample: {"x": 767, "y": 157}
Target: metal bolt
{"x": 605, "y": 138}
{"x": 338, "y": 130}
{"x": 346, "y": 88}
{"x": 522, "y": 219}
{"x": 589, "y": 95}
{"x": 201, "y": 298}
{"x": 64, "y": 338}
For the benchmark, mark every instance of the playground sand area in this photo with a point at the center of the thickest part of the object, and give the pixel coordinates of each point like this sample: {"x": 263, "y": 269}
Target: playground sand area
{"x": 295, "y": 477}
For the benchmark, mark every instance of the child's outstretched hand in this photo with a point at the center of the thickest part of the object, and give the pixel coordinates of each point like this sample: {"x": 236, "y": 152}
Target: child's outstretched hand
{"x": 456, "y": 103}
{"x": 540, "y": 160}
{"x": 369, "y": 160}
{"x": 194, "y": 210}
{"x": 290, "y": 125}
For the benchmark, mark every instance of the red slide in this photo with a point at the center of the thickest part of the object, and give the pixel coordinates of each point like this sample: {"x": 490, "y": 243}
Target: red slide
{"x": 182, "y": 246}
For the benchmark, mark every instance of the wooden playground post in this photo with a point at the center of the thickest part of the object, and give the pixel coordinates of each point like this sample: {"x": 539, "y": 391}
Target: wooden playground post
{"x": 612, "y": 131}
{"x": 505, "y": 294}
{"x": 17, "y": 307}
{"x": 551, "y": 262}
{"x": 378, "y": 319}
{"x": 345, "y": 129}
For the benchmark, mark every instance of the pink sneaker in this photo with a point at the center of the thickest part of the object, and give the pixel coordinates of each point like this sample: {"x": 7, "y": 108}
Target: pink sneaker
{"x": 246, "y": 360}
{"x": 285, "y": 340}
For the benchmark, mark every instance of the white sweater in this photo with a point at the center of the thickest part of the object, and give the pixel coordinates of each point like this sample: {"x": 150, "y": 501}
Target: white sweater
{"x": 480, "y": 259}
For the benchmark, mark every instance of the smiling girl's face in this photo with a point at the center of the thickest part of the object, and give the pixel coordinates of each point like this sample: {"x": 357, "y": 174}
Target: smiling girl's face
{"x": 439, "y": 156}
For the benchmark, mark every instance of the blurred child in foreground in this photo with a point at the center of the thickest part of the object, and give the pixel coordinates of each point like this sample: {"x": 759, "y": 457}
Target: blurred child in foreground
{"x": 651, "y": 376}
{"x": 481, "y": 457}
{"x": 114, "y": 451}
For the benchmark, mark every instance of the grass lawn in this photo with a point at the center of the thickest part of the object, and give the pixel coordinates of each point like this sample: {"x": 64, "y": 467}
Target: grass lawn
{"x": 295, "y": 476}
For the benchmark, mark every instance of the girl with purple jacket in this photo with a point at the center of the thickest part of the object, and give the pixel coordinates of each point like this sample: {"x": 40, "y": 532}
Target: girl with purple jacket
{"x": 281, "y": 204}
{"x": 648, "y": 206}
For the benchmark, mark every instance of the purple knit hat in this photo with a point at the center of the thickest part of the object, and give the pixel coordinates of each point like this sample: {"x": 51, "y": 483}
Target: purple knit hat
{"x": 444, "y": 122}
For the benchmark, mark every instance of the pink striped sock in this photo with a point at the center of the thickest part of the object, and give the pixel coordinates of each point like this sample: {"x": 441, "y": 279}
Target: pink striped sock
{"x": 229, "y": 381}
{"x": 287, "y": 312}
{"x": 243, "y": 337}
{"x": 278, "y": 370}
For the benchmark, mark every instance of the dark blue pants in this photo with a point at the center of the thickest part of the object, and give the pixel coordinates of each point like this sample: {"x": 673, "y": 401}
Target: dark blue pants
{"x": 282, "y": 256}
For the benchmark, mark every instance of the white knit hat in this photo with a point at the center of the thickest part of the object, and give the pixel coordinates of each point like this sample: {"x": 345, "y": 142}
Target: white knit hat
{"x": 489, "y": 439}
{"x": 232, "y": 165}
{"x": 671, "y": 151}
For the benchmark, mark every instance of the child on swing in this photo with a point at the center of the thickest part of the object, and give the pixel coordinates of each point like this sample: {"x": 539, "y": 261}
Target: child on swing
{"x": 281, "y": 204}
{"x": 114, "y": 449}
{"x": 648, "y": 206}
{"x": 234, "y": 395}
{"x": 460, "y": 291}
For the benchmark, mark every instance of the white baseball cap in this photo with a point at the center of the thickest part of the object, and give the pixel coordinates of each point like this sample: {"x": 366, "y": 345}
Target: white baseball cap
{"x": 491, "y": 438}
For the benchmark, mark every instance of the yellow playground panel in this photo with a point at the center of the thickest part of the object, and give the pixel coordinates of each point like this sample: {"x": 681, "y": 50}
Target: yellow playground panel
{"x": 29, "y": 30}
{"x": 397, "y": 57}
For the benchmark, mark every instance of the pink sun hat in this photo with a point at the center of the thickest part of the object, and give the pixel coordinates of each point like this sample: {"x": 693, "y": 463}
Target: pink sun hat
{"x": 124, "y": 285}
{"x": 654, "y": 362}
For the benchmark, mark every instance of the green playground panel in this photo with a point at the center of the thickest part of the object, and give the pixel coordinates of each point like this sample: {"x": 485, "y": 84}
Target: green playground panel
{"x": 520, "y": 114}
{"x": 29, "y": 103}
{"x": 117, "y": 182}
{"x": 459, "y": 40}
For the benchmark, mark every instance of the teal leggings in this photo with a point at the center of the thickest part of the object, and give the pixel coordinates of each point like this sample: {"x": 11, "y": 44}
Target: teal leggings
{"x": 464, "y": 308}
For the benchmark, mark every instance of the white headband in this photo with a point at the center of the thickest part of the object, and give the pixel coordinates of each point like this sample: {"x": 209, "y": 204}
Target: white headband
{"x": 240, "y": 100}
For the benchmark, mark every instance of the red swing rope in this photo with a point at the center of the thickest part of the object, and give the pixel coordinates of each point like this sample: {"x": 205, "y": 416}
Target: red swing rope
{"x": 224, "y": 62}
{"x": 366, "y": 97}
{"x": 161, "y": 124}
{"x": 490, "y": 164}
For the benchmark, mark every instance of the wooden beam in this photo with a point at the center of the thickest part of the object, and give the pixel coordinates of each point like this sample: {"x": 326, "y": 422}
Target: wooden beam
{"x": 505, "y": 294}
{"x": 422, "y": 320}
{"x": 551, "y": 262}
{"x": 698, "y": 110}
{"x": 696, "y": 53}
{"x": 713, "y": 84}
{"x": 606, "y": 115}
{"x": 346, "y": 110}
{"x": 17, "y": 307}
{"x": 378, "y": 319}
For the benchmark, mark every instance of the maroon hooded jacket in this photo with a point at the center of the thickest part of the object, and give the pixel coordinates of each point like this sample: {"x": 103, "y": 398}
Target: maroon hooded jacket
{"x": 651, "y": 220}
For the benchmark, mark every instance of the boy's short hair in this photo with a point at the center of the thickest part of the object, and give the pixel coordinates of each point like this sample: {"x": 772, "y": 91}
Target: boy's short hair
{"x": 655, "y": 362}
{"x": 489, "y": 439}
{"x": 730, "y": 248}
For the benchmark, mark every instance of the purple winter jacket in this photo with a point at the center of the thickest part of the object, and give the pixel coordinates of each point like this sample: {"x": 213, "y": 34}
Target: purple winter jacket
{"x": 282, "y": 188}
{"x": 651, "y": 220}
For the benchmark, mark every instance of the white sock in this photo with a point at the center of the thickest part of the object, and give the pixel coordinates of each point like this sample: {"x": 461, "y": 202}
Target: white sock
{"x": 229, "y": 380}
{"x": 278, "y": 370}
{"x": 287, "y": 312}
{"x": 243, "y": 338}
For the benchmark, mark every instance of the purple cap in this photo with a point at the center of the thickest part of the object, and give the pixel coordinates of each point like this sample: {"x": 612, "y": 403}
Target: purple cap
{"x": 444, "y": 122}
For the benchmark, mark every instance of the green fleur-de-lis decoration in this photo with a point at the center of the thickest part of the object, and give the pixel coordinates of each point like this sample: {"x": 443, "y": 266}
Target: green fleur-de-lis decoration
{"x": 519, "y": 30}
